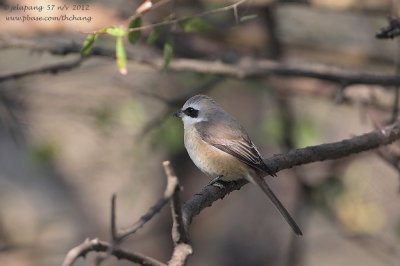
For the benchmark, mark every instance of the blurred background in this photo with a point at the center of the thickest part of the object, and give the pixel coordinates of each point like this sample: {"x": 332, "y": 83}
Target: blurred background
{"x": 70, "y": 140}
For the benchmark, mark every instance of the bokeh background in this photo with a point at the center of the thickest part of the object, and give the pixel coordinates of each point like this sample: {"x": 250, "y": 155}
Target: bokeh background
{"x": 71, "y": 140}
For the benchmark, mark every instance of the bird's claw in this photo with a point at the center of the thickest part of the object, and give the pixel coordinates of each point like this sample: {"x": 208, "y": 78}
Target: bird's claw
{"x": 214, "y": 180}
{"x": 218, "y": 185}
{"x": 217, "y": 182}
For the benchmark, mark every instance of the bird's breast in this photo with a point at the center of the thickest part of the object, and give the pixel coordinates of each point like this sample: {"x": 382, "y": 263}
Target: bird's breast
{"x": 212, "y": 161}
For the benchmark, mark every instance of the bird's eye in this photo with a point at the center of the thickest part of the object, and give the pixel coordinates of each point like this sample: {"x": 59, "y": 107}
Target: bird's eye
{"x": 191, "y": 112}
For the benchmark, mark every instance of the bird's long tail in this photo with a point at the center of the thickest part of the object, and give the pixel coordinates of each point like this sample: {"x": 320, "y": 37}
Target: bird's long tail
{"x": 267, "y": 190}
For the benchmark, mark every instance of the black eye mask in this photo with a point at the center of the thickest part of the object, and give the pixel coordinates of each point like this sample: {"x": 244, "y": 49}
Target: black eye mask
{"x": 191, "y": 112}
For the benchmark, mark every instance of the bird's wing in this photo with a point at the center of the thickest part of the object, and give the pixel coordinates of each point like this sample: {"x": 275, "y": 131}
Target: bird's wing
{"x": 234, "y": 141}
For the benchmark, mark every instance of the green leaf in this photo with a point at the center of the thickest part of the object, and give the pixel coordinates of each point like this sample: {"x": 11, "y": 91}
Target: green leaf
{"x": 121, "y": 55}
{"x": 248, "y": 17}
{"x": 88, "y": 43}
{"x": 155, "y": 34}
{"x": 168, "y": 51}
{"x": 133, "y": 36}
{"x": 194, "y": 24}
{"x": 115, "y": 31}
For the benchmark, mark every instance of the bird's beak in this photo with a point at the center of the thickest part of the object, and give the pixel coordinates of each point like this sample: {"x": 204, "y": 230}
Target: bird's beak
{"x": 178, "y": 113}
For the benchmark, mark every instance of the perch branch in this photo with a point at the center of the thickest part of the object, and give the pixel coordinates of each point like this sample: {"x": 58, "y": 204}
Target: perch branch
{"x": 328, "y": 151}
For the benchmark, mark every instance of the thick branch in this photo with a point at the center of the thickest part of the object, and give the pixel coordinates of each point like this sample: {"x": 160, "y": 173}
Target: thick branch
{"x": 101, "y": 246}
{"x": 311, "y": 154}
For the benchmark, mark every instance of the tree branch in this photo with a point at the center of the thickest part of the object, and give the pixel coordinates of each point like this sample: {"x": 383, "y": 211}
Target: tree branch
{"x": 101, "y": 246}
{"x": 245, "y": 68}
{"x": 262, "y": 68}
{"x": 181, "y": 240}
{"x": 390, "y": 31}
{"x": 52, "y": 69}
{"x": 168, "y": 193}
{"x": 209, "y": 194}
{"x": 328, "y": 151}
{"x": 182, "y": 249}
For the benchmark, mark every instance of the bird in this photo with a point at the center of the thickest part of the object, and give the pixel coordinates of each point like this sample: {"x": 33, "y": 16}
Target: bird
{"x": 221, "y": 148}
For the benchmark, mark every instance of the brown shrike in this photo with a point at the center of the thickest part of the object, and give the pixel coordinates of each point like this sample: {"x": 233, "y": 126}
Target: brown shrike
{"x": 220, "y": 147}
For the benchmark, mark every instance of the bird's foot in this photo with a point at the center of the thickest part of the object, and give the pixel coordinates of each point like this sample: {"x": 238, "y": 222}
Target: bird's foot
{"x": 217, "y": 182}
{"x": 219, "y": 185}
{"x": 214, "y": 180}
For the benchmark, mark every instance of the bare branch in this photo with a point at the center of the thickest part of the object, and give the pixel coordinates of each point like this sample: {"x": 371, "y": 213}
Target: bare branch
{"x": 390, "y": 31}
{"x": 179, "y": 233}
{"x": 261, "y": 68}
{"x": 180, "y": 236}
{"x": 156, "y": 208}
{"x": 246, "y": 68}
{"x": 114, "y": 237}
{"x": 180, "y": 255}
{"x": 52, "y": 69}
{"x": 101, "y": 246}
{"x": 328, "y": 151}
{"x": 233, "y": 6}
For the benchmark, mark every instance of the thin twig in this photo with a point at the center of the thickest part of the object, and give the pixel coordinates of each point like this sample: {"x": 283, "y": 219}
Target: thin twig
{"x": 145, "y": 7}
{"x": 114, "y": 241}
{"x": 171, "y": 191}
{"x": 102, "y": 246}
{"x": 233, "y": 6}
{"x": 182, "y": 247}
{"x": 114, "y": 234}
{"x": 113, "y": 218}
{"x": 179, "y": 234}
{"x": 176, "y": 20}
{"x": 52, "y": 69}
{"x": 156, "y": 208}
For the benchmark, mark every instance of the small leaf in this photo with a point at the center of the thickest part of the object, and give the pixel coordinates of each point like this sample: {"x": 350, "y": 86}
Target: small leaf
{"x": 88, "y": 43}
{"x": 133, "y": 36}
{"x": 168, "y": 51}
{"x": 115, "y": 31}
{"x": 121, "y": 56}
{"x": 194, "y": 24}
{"x": 155, "y": 34}
{"x": 248, "y": 17}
